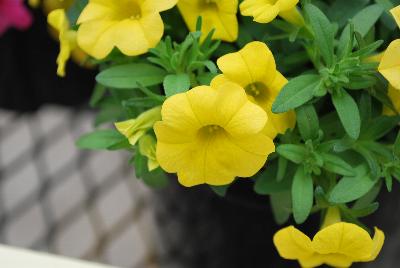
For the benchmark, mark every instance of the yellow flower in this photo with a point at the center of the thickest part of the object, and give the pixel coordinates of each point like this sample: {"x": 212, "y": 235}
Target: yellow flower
{"x": 216, "y": 14}
{"x": 390, "y": 63}
{"x": 34, "y": 3}
{"x": 50, "y": 5}
{"x": 59, "y": 21}
{"x": 134, "y": 129}
{"x": 265, "y": 11}
{"x": 338, "y": 245}
{"x": 394, "y": 96}
{"x": 132, "y": 26}
{"x": 211, "y": 135}
{"x": 147, "y": 147}
{"x": 254, "y": 69}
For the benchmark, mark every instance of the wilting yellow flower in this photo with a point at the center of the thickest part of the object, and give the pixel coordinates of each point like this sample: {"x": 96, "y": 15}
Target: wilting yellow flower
{"x": 394, "y": 96}
{"x": 212, "y": 135}
{"x": 134, "y": 129}
{"x": 390, "y": 63}
{"x": 67, "y": 37}
{"x": 254, "y": 69}
{"x": 147, "y": 147}
{"x": 265, "y": 11}
{"x": 132, "y": 26}
{"x": 338, "y": 245}
{"x": 216, "y": 14}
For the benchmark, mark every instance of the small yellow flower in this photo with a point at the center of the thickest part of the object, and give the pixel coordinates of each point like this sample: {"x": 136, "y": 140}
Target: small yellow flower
{"x": 254, "y": 69}
{"x": 338, "y": 245}
{"x": 134, "y": 129}
{"x": 216, "y": 14}
{"x": 50, "y": 5}
{"x": 394, "y": 96}
{"x": 59, "y": 21}
{"x": 389, "y": 66}
{"x": 147, "y": 147}
{"x": 212, "y": 135}
{"x": 265, "y": 11}
{"x": 132, "y": 26}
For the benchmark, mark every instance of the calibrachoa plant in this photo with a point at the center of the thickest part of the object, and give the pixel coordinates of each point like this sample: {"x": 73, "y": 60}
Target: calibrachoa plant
{"x": 301, "y": 98}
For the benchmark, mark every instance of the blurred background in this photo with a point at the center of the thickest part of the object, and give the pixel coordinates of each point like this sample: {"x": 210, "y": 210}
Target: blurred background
{"x": 85, "y": 204}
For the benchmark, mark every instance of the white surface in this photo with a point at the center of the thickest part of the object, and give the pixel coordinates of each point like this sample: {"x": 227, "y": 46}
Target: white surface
{"x": 20, "y": 258}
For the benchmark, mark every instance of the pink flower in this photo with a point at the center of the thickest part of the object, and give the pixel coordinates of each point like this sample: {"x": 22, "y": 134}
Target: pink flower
{"x": 14, "y": 14}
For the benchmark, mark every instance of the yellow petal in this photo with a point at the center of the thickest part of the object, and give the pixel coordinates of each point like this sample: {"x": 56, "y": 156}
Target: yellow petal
{"x": 394, "y": 96}
{"x": 390, "y": 64}
{"x": 337, "y": 260}
{"x": 292, "y": 244}
{"x": 396, "y": 14}
{"x": 94, "y": 11}
{"x": 159, "y": 5}
{"x": 94, "y": 40}
{"x": 378, "y": 240}
{"x": 220, "y": 15}
{"x": 285, "y": 5}
{"x": 58, "y": 20}
{"x": 253, "y": 63}
{"x": 343, "y": 238}
{"x": 293, "y": 16}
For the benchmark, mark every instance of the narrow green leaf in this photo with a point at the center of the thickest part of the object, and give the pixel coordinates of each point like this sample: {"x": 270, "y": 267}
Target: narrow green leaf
{"x": 297, "y": 92}
{"x": 379, "y": 127}
{"x": 396, "y": 147}
{"x": 302, "y": 195}
{"x": 337, "y": 165}
{"x": 156, "y": 179}
{"x": 351, "y": 188}
{"x": 176, "y": 83}
{"x": 101, "y": 139}
{"x": 363, "y": 21}
{"x": 348, "y": 113}
{"x": 307, "y": 121}
{"x": 266, "y": 182}
{"x": 281, "y": 204}
{"x": 292, "y": 152}
{"x": 324, "y": 34}
{"x": 130, "y": 76}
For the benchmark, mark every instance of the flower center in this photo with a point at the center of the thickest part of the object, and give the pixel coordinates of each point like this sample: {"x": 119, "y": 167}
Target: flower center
{"x": 209, "y": 4}
{"x": 209, "y": 131}
{"x": 129, "y": 10}
{"x": 258, "y": 93}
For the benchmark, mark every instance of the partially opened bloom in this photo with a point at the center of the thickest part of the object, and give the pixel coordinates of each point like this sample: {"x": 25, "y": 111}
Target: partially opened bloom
{"x": 134, "y": 129}
{"x": 212, "y": 135}
{"x": 13, "y": 14}
{"x": 67, "y": 38}
{"x": 132, "y": 26}
{"x": 147, "y": 147}
{"x": 389, "y": 66}
{"x": 265, "y": 11}
{"x": 338, "y": 245}
{"x": 254, "y": 69}
{"x": 216, "y": 14}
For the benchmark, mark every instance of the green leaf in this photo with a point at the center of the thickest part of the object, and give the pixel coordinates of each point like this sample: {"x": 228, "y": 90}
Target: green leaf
{"x": 281, "y": 204}
{"x": 368, "y": 155}
{"x": 324, "y": 34}
{"x": 379, "y": 127}
{"x": 337, "y": 165}
{"x": 369, "y": 197}
{"x": 220, "y": 190}
{"x": 97, "y": 95}
{"x": 130, "y": 76}
{"x": 363, "y": 21}
{"x": 101, "y": 139}
{"x": 307, "y": 121}
{"x": 302, "y": 195}
{"x": 176, "y": 83}
{"x": 365, "y": 211}
{"x": 342, "y": 10}
{"x": 297, "y": 92}
{"x": 292, "y": 152}
{"x": 141, "y": 102}
{"x": 351, "y": 188}
{"x": 282, "y": 168}
{"x": 348, "y": 113}
{"x": 156, "y": 178}
{"x": 396, "y": 147}
{"x": 266, "y": 182}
